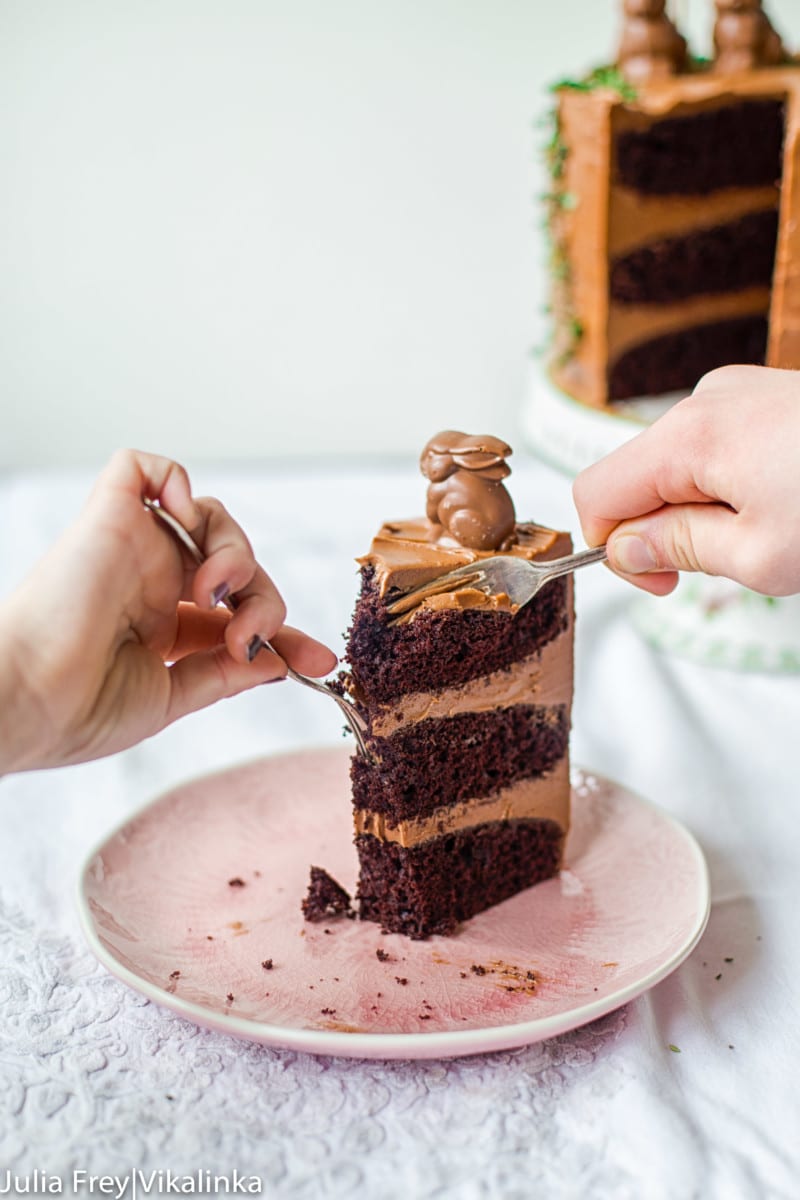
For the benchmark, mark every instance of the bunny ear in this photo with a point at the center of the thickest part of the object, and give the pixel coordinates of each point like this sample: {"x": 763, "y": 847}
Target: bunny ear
{"x": 481, "y": 452}
{"x": 443, "y": 443}
{"x": 475, "y": 460}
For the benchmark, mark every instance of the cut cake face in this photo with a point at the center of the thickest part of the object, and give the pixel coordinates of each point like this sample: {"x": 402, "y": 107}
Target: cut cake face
{"x": 465, "y": 798}
{"x": 674, "y": 217}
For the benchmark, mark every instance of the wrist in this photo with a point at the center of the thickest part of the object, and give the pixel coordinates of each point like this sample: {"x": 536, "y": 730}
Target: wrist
{"x": 20, "y": 728}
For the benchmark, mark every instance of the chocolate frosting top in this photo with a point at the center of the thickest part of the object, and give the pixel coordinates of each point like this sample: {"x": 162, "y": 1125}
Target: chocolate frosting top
{"x": 406, "y": 554}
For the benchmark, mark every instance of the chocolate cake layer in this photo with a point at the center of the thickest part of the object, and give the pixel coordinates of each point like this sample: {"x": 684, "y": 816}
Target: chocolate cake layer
{"x": 725, "y": 258}
{"x": 443, "y": 648}
{"x": 676, "y": 361}
{"x": 436, "y": 763}
{"x": 429, "y": 889}
{"x": 739, "y": 145}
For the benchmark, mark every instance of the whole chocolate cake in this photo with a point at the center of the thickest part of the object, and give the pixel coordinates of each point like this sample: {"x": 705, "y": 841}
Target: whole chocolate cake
{"x": 465, "y": 798}
{"x": 674, "y": 212}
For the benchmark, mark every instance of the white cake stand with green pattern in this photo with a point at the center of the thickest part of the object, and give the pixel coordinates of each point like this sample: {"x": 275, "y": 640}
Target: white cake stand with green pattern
{"x": 719, "y": 623}
{"x": 571, "y": 436}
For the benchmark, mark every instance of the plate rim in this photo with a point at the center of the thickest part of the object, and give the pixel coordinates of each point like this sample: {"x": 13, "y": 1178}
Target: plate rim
{"x": 436, "y": 1044}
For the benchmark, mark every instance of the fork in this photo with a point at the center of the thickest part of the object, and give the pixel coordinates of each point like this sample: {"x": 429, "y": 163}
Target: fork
{"x": 353, "y": 718}
{"x": 517, "y": 578}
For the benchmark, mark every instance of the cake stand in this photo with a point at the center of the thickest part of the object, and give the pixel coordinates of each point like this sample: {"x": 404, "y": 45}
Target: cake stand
{"x": 711, "y": 621}
{"x": 570, "y": 435}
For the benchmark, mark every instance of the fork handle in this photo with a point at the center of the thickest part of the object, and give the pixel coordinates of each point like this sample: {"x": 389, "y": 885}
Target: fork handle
{"x": 573, "y": 562}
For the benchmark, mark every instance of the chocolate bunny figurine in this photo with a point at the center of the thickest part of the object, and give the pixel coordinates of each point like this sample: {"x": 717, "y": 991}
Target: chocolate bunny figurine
{"x": 744, "y": 37}
{"x": 650, "y": 47}
{"x": 466, "y": 494}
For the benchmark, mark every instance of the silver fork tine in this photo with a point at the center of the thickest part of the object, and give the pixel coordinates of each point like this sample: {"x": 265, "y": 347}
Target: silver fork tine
{"x": 348, "y": 710}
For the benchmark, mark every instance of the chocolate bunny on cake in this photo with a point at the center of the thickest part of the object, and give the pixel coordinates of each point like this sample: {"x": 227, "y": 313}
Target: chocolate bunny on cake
{"x": 744, "y": 37}
{"x": 466, "y": 495}
{"x": 650, "y": 47}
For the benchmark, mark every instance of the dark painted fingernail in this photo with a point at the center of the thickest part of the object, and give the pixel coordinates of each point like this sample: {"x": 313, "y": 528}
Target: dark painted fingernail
{"x": 253, "y": 646}
{"x": 220, "y": 592}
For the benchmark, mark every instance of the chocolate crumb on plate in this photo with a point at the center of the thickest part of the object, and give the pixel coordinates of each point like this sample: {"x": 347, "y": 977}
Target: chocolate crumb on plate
{"x": 477, "y": 969}
{"x": 175, "y": 975}
{"x": 326, "y": 898}
{"x": 267, "y": 964}
{"x": 382, "y": 955}
{"x": 400, "y": 980}
{"x": 236, "y": 882}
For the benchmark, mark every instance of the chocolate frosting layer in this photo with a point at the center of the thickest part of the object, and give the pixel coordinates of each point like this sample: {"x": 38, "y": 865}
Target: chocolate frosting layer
{"x": 545, "y": 678}
{"x": 545, "y": 798}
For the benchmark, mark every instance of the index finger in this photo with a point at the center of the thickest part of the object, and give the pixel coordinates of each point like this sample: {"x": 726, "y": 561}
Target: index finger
{"x": 657, "y": 467}
{"x": 231, "y": 570}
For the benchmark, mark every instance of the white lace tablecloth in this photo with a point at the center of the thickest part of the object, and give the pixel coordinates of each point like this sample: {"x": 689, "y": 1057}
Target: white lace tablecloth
{"x": 94, "y": 1078}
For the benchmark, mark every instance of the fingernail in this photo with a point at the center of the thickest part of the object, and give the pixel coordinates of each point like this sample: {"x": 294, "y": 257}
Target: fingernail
{"x": 253, "y": 646}
{"x": 633, "y": 555}
{"x": 219, "y": 593}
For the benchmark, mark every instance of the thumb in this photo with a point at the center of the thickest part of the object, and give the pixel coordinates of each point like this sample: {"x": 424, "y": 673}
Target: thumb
{"x": 678, "y": 537}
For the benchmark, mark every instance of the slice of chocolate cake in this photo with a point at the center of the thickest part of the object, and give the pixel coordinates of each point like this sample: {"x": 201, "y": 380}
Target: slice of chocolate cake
{"x": 465, "y": 800}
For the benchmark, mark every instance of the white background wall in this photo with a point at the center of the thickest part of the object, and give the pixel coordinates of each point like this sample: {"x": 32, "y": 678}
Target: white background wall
{"x": 245, "y": 228}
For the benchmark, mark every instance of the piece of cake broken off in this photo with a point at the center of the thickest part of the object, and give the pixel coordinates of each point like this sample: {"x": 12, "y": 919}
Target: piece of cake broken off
{"x": 325, "y": 898}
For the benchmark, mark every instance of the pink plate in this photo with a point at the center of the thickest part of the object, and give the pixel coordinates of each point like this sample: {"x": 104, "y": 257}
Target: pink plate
{"x": 195, "y": 902}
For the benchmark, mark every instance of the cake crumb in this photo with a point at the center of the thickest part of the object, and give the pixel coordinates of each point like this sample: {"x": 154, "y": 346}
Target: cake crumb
{"x": 236, "y": 882}
{"x": 328, "y": 1012}
{"x": 267, "y": 964}
{"x": 423, "y": 1017}
{"x": 209, "y": 938}
{"x": 326, "y": 898}
{"x": 383, "y": 955}
{"x": 230, "y": 997}
{"x": 399, "y": 979}
{"x": 477, "y": 969}
{"x": 175, "y": 975}
{"x": 727, "y": 960}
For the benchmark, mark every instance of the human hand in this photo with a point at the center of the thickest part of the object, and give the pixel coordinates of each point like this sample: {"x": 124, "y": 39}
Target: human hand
{"x": 115, "y": 634}
{"x": 712, "y": 486}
